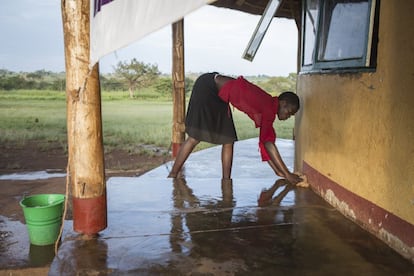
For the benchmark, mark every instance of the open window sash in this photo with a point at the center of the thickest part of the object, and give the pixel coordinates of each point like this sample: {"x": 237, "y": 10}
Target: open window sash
{"x": 261, "y": 29}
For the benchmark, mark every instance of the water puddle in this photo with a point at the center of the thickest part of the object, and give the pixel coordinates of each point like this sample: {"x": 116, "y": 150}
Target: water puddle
{"x": 32, "y": 175}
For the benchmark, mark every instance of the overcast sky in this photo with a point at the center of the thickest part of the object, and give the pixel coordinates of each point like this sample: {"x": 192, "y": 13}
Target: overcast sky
{"x": 215, "y": 39}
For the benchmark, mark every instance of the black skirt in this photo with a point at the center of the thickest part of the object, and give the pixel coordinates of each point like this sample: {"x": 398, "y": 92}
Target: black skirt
{"x": 209, "y": 118}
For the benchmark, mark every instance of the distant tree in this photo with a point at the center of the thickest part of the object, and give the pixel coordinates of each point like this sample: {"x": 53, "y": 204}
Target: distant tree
{"x": 5, "y": 72}
{"x": 189, "y": 83}
{"x": 277, "y": 85}
{"x": 164, "y": 86}
{"x": 37, "y": 80}
{"x": 12, "y": 82}
{"x": 292, "y": 77}
{"x": 110, "y": 82}
{"x": 35, "y": 75}
{"x": 58, "y": 84}
{"x": 136, "y": 74}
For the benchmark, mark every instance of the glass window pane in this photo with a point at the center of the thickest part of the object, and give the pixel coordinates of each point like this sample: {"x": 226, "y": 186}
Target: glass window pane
{"x": 311, "y": 17}
{"x": 344, "y": 25}
{"x": 261, "y": 30}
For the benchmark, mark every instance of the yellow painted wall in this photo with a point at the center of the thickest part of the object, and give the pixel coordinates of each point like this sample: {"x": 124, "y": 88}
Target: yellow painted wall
{"x": 358, "y": 128}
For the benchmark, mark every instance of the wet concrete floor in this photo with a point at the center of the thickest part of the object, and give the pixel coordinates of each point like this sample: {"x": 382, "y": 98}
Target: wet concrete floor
{"x": 198, "y": 225}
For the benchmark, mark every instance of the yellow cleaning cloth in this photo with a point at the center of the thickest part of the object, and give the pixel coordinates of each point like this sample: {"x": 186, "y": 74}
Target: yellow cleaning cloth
{"x": 304, "y": 183}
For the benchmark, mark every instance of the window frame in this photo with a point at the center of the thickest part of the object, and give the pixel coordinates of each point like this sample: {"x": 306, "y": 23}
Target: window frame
{"x": 366, "y": 62}
{"x": 261, "y": 29}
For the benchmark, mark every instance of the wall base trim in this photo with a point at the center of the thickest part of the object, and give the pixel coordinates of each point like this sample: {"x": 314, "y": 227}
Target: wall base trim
{"x": 394, "y": 231}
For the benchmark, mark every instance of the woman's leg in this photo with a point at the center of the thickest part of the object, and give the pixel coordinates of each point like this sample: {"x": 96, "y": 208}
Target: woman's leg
{"x": 185, "y": 150}
{"x": 227, "y": 160}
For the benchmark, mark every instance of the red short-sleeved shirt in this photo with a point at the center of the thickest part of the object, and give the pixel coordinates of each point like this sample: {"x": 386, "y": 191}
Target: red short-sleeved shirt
{"x": 260, "y": 106}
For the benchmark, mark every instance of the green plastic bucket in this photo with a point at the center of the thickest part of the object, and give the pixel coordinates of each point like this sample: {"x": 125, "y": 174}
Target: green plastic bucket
{"x": 43, "y": 215}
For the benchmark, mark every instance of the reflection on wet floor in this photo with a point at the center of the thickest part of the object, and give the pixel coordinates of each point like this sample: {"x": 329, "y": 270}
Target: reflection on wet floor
{"x": 266, "y": 196}
{"x": 295, "y": 232}
{"x": 211, "y": 228}
{"x": 41, "y": 255}
{"x": 200, "y": 225}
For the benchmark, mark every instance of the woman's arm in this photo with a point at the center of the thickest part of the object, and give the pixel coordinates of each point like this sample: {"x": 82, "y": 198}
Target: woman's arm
{"x": 275, "y": 168}
{"x": 221, "y": 80}
{"x": 277, "y": 164}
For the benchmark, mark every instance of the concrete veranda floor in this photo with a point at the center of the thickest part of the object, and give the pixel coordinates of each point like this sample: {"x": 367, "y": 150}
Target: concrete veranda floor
{"x": 199, "y": 226}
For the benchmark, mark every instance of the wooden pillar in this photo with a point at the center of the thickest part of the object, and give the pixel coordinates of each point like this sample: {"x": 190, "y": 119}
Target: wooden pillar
{"x": 178, "y": 76}
{"x": 86, "y": 169}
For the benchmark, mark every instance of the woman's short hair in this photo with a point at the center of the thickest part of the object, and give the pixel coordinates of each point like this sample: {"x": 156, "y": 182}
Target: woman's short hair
{"x": 290, "y": 98}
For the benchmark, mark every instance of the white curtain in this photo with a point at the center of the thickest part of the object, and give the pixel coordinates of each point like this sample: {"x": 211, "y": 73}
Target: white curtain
{"x": 117, "y": 23}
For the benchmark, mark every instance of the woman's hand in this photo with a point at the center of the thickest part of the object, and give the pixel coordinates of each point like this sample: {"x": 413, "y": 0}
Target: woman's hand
{"x": 293, "y": 178}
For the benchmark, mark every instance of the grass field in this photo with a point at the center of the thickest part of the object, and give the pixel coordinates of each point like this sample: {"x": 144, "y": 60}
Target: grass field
{"x": 41, "y": 115}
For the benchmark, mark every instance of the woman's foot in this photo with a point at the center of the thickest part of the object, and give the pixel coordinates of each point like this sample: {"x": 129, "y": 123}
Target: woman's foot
{"x": 179, "y": 174}
{"x": 227, "y": 189}
{"x": 172, "y": 175}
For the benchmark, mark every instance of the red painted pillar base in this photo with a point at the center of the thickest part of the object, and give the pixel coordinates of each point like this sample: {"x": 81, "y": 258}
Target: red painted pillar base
{"x": 89, "y": 214}
{"x": 175, "y": 148}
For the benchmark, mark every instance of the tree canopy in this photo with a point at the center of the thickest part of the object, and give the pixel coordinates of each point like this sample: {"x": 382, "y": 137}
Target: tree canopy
{"x": 136, "y": 74}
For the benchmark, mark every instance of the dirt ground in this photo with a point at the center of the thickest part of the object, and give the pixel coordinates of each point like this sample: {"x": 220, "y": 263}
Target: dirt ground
{"x": 39, "y": 156}
{"x": 33, "y": 157}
